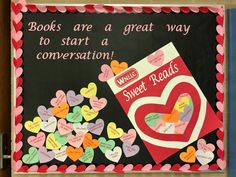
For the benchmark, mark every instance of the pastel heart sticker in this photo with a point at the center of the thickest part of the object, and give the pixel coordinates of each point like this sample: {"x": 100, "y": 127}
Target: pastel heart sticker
{"x": 60, "y": 155}
{"x": 75, "y": 116}
{"x": 74, "y": 153}
{"x": 204, "y": 157}
{"x": 62, "y": 139}
{"x": 159, "y": 124}
{"x": 129, "y": 149}
{"x": 32, "y": 157}
{"x": 201, "y": 145}
{"x": 45, "y": 156}
{"x": 118, "y": 67}
{"x": 64, "y": 128}
{"x": 187, "y": 114}
{"x": 88, "y": 114}
{"x": 89, "y": 141}
{"x": 61, "y": 111}
{"x": 151, "y": 118}
{"x": 189, "y": 156}
{"x": 97, "y": 104}
{"x": 105, "y": 145}
{"x": 97, "y": 127}
{"x": 182, "y": 102}
{"x": 76, "y": 140}
{"x": 87, "y": 156}
{"x": 180, "y": 127}
{"x": 50, "y": 125}
{"x": 44, "y": 113}
{"x": 106, "y": 73}
{"x": 51, "y": 142}
{"x": 78, "y": 127}
{"x": 114, "y": 132}
{"x": 90, "y": 91}
{"x": 74, "y": 99}
{"x": 60, "y": 98}
{"x": 33, "y": 126}
{"x": 130, "y": 136}
{"x": 114, "y": 155}
{"x": 167, "y": 128}
{"x": 37, "y": 141}
{"x": 156, "y": 58}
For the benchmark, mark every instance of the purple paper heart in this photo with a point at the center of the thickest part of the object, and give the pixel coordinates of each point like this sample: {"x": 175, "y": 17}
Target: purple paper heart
{"x": 45, "y": 156}
{"x": 187, "y": 114}
{"x": 74, "y": 99}
{"x": 97, "y": 127}
{"x": 129, "y": 149}
{"x": 44, "y": 113}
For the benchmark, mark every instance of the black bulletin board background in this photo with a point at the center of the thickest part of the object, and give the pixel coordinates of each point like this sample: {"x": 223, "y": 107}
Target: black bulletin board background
{"x": 42, "y": 78}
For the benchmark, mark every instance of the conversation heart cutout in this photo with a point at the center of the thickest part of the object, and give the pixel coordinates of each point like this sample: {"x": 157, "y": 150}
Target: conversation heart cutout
{"x": 97, "y": 104}
{"x": 167, "y": 128}
{"x": 61, "y": 111}
{"x": 118, "y": 67}
{"x": 97, "y": 127}
{"x": 106, "y": 73}
{"x": 32, "y": 156}
{"x": 189, "y": 156}
{"x": 89, "y": 141}
{"x": 73, "y": 99}
{"x": 105, "y": 145}
{"x": 201, "y": 145}
{"x": 114, "y": 132}
{"x": 37, "y": 141}
{"x": 78, "y": 127}
{"x": 75, "y": 116}
{"x": 60, "y": 154}
{"x": 33, "y": 126}
{"x": 129, "y": 149}
{"x": 114, "y": 155}
{"x": 159, "y": 123}
{"x": 45, "y": 156}
{"x": 180, "y": 127}
{"x": 59, "y": 99}
{"x": 156, "y": 58}
{"x": 44, "y": 113}
{"x": 187, "y": 114}
{"x": 64, "y": 128}
{"x": 87, "y": 156}
{"x": 151, "y": 118}
{"x": 61, "y": 139}
{"x": 74, "y": 153}
{"x": 204, "y": 157}
{"x": 130, "y": 136}
{"x": 51, "y": 142}
{"x": 76, "y": 140}
{"x": 88, "y": 114}
{"x": 50, "y": 125}
{"x": 90, "y": 91}
{"x": 182, "y": 102}
{"x": 173, "y": 117}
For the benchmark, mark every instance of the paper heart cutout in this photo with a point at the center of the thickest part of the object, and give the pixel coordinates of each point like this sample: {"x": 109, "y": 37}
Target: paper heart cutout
{"x": 156, "y": 58}
{"x": 204, "y": 157}
{"x": 89, "y": 141}
{"x": 60, "y": 98}
{"x": 105, "y": 145}
{"x": 44, "y": 113}
{"x": 97, "y": 104}
{"x": 88, "y": 114}
{"x": 74, "y": 153}
{"x": 78, "y": 127}
{"x": 45, "y": 156}
{"x": 75, "y": 116}
{"x": 114, "y": 132}
{"x": 201, "y": 145}
{"x": 90, "y": 91}
{"x": 189, "y": 156}
{"x": 130, "y": 136}
{"x": 33, "y": 126}
{"x": 74, "y": 99}
{"x": 118, "y": 67}
{"x": 60, "y": 154}
{"x": 50, "y": 125}
{"x": 37, "y": 141}
{"x": 76, "y": 140}
{"x": 129, "y": 149}
{"x": 32, "y": 157}
{"x": 61, "y": 139}
{"x": 167, "y": 128}
{"x": 151, "y": 118}
{"x": 97, "y": 127}
{"x": 64, "y": 128}
{"x": 51, "y": 142}
{"x": 106, "y": 73}
{"x": 87, "y": 156}
{"x": 61, "y": 111}
{"x": 114, "y": 155}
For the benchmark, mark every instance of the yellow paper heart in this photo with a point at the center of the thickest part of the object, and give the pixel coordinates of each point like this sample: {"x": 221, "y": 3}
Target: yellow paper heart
{"x": 33, "y": 126}
{"x": 51, "y": 142}
{"x": 179, "y": 105}
{"x": 90, "y": 91}
{"x": 114, "y": 132}
{"x": 87, "y": 113}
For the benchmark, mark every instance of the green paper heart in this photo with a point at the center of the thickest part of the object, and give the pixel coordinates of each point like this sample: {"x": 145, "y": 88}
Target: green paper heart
{"x": 32, "y": 157}
{"x": 105, "y": 145}
{"x": 75, "y": 116}
{"x": 62, "y": 139}
{"x": 151, "y": 118}
{"x": 87, "y": 156}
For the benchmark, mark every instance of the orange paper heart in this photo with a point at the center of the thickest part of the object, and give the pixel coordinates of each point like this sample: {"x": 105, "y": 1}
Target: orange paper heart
{"x": 89, "y": 141}
{"x": 118, "y": 67}
{"x": 61, "y": 111}
{"x": 74, "y": 153}
{"x": 173, "y": 117}
{"x": 189, "y": 156}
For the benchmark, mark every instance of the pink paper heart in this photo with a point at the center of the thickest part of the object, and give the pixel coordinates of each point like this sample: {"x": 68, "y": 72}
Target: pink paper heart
{"x": 137, "y": 9}
{"x": 128, "y": 167}
{"x": 99, "y": 8}
{"x": 17, "y": 36}
{"x": 166, "y": 167}
{"x": 18, "y": 146}
{"x": 90, "y": 168}
{"x": 19, "y": 71}
{"x": 18, "y": 128}
{"x": 147, "y": 167}
{"x": 52, "y": 168}
{"x": 109, "y": 167}
{"x": 76, "y": 140}
{"x": 37, "y": 141}
{"x": 18, "y": 53}
{"x": 220, "y": 144}
{"x": 81, "y": 9}
{"x": 219, "y": 68}
{"x": 194, "y": 9}
{"x": 42, "y": 8}
{"x": 185, "y": 168}
{"x": 61, "y": 9}
{"x": 204, "y": 167}
{"x": 98, "y": 104}
{"x": 220, "y": 49}
{"x": 201, "y": 144}
{"x": 33, "y": 168}
{"x": 18, "y": 91}
{"x": 71, "y": 168}
{"x": 18, "y": 165}
{"x": 213, "y": 9}
{"x": 106, "y": 73}
{"x": 220, "y": 30}
{"x": 219, "y": 87}
{"x": 130, "y": 136}
{"x": 60, "y": 98}
{"x": 63, "y": 127}
{"x": 220, "y": 106}
{"x": 156, "y": 58}
{"x": 175, "y": 9}
{"x": 17, "y": 18}
{"x": 18, "y": 110}
{"x": 221, "y": 163}
{"x": 156, "y": 9}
